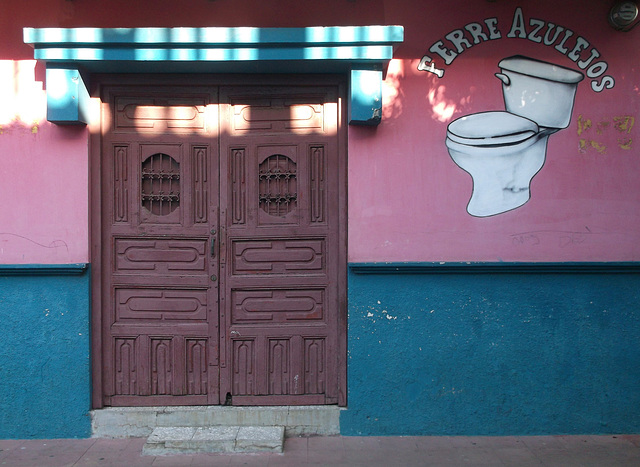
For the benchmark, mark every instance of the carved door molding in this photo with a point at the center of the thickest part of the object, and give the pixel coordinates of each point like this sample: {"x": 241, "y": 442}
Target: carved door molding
{"x": 219, "y": 245}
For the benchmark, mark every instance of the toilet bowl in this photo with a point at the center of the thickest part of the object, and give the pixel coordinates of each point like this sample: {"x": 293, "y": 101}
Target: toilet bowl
{"x": 504, "y": 150}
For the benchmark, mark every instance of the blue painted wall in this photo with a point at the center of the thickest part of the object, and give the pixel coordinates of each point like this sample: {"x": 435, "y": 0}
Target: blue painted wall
{"x": 44, "y": 352}
{"x": 493, "y": 354}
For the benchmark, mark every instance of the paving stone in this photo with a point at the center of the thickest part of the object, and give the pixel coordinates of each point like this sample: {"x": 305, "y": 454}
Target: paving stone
{"x": 164, "y": 434}
{"x": 216, "y": 432}
{"x": 260, "y": 438}
{"x": 190, "y": 440}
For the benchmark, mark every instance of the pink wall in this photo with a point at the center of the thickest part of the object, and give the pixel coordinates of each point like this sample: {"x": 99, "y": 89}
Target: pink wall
{"x": 407, "y": 198}
{"x": 44, "y": 172}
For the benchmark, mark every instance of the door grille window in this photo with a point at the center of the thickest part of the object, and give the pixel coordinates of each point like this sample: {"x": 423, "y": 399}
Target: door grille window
{"x": 160, "y": 184}
{"x": 278, "y": 185}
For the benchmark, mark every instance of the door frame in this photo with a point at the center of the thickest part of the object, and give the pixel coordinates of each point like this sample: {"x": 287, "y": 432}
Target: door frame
{"x": 98, "y": 82}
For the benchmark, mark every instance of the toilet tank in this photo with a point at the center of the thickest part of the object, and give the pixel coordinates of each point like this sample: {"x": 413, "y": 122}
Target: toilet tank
{"x": 540, "y": 91}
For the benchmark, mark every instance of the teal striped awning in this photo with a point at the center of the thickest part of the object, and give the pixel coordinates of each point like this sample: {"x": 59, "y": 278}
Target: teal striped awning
{"x": 70, "y": 53}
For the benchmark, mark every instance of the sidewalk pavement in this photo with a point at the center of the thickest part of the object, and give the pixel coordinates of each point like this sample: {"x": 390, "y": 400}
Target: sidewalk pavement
{"x": 445, "y": 451}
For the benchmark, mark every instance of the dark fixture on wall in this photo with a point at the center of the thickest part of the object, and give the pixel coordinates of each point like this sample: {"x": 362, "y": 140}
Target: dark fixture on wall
{"x": 623, "y": 16}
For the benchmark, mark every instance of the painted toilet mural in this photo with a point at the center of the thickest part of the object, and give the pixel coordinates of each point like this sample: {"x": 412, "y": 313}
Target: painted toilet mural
{"x": 504, "y": 150}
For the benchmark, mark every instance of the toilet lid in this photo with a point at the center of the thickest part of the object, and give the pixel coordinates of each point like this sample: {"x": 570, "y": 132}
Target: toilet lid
{"x": 549, "y": 71}
{"x": 491, "y": 129}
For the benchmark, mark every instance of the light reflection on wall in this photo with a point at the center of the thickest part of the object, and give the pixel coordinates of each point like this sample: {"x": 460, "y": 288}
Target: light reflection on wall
{"x": 391, "y": 102}
{"x": 22, "y": 97}
{"x": 443, "y": 108}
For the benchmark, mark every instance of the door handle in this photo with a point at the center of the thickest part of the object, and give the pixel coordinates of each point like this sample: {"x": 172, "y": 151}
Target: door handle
{"x": 213, "y": 243}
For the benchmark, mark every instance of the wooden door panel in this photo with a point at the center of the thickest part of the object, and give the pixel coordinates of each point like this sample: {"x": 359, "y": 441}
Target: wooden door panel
{"x": 275, "y": 369}
{"x": 160, "y": 315}
{"x": 160, "y": 369}
{"x": 220, "y": 275}
{"x": 275, "y": 306}
{"x": 278, "y": 113}
{"x": 160, "y": 111}
{"x": 149, "y": 305}
{"x": 281, "y": 251}
{"x": 278, "y": 256}
{"x": 160, "y": 255}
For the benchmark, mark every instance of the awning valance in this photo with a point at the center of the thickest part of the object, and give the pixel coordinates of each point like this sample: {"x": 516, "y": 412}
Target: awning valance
{"x": 362, "y": 51}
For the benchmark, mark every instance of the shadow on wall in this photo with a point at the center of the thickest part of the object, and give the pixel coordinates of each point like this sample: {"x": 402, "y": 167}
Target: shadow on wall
{"x": 439, "y": 101}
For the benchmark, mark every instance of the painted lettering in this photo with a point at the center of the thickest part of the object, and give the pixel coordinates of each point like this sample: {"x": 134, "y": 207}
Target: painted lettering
{"x": 605, "y": 83}
{"x": 560, "y": 47}
{"x": 550, "y": 28}
{"x": 457, "y": 39}
{"x": 535, "y": 30}
{"x": 585, "y": 63}
{"x": 492, "y": 24}
{"x": 446, "y": 54}
{"x": 581, "y": 44}
{"x": 537, "y": 24}
{"x": 422, "y": 66}
{"x": 518, "y": 25}
{"x": 476, "y": 32}
{"x": 597, "y": 69}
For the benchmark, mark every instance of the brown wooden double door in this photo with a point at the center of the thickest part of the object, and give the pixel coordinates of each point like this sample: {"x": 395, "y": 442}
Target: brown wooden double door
{"x": 221, "y": 253}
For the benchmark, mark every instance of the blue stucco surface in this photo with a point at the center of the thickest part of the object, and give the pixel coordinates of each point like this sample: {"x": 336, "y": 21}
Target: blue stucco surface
{"x": 493, "y": 354}
{"x": 44, "y": 355}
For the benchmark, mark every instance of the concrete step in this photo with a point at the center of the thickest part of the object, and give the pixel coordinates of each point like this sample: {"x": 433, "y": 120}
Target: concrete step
{"x": 125, "y": 422}
{"x": 191, "y": 440}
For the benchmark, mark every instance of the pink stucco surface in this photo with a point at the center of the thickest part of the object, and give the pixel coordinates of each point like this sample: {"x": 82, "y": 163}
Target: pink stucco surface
{"x": 44, "y": 173}
{"x": 407, "y": 198}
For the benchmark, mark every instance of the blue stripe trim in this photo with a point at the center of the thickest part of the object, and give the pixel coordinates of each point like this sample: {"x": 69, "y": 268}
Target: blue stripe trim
{"x": 372, "y": 53}
{"x": 495, "y": 268}
{"x": 42, "y": 269}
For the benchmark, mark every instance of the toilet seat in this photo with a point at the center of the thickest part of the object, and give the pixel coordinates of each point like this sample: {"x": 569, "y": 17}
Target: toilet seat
{"x": 497, "y": 128}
